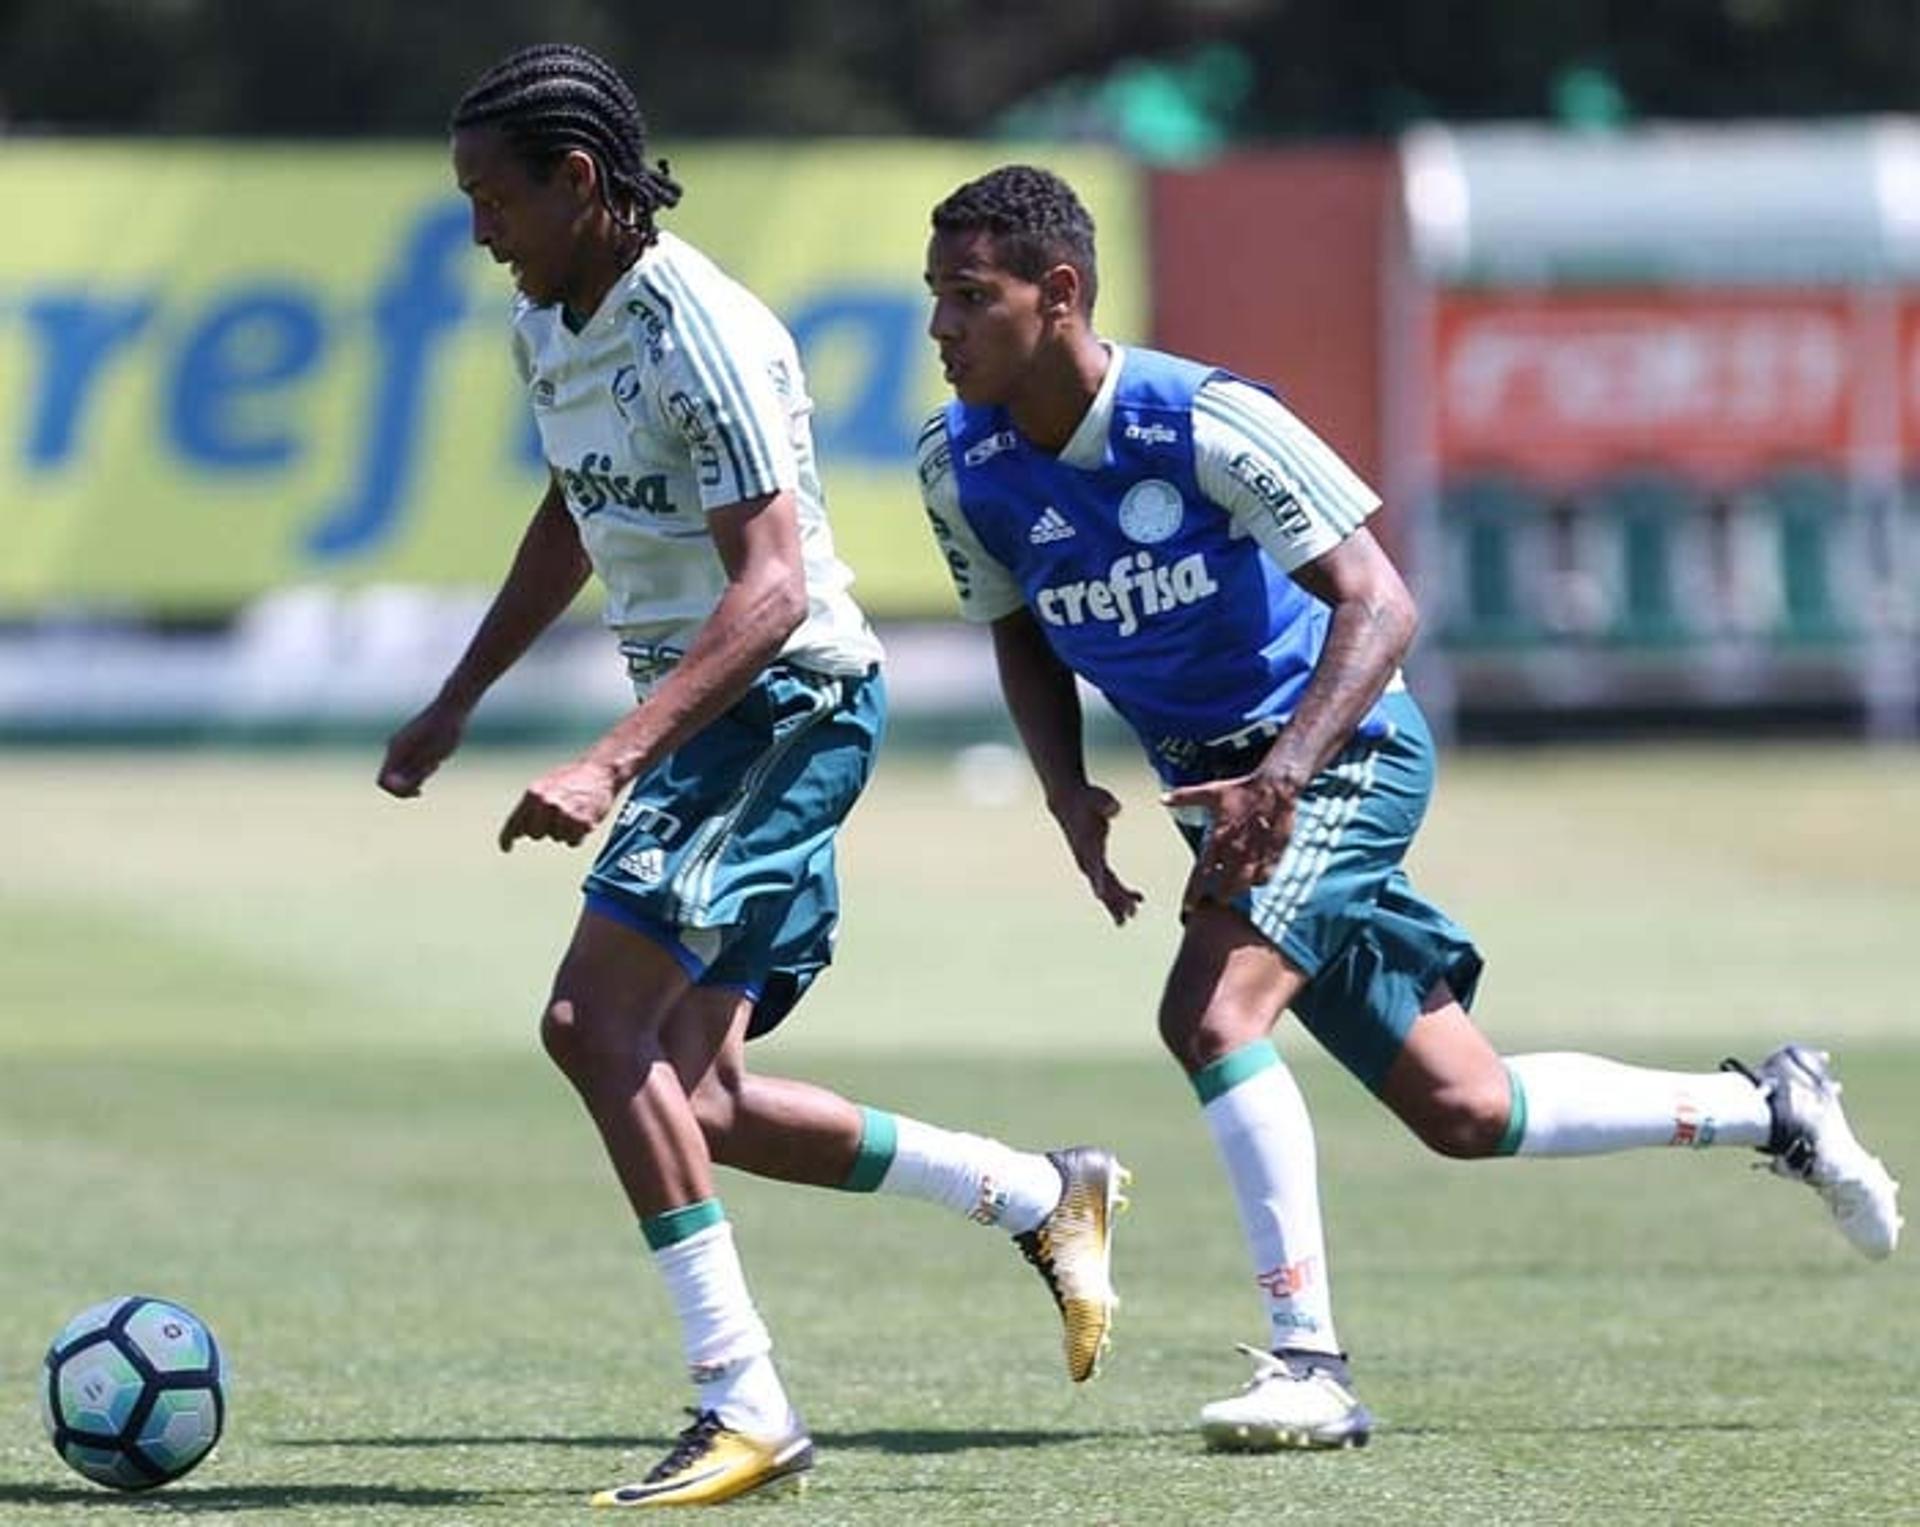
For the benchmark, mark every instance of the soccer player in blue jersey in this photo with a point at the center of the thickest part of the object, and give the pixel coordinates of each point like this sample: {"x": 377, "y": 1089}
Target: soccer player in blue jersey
{"x": 1176, "y": 537}
{"x": 674, "y": 415}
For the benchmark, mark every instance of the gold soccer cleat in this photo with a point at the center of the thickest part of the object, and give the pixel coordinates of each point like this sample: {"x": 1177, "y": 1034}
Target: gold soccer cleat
{"x": 1072, "y": 1249}
{"x": 710, "y": 1463}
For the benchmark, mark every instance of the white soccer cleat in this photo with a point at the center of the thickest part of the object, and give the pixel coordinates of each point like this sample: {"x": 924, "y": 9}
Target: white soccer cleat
{"x": 1295, "y": 1399}
{"x": 1812, "y": 1144}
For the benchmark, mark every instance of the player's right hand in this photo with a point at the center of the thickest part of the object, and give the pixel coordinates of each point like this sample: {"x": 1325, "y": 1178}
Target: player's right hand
{"x": 1084, "y": 816}
{"x": 420, "y": 747}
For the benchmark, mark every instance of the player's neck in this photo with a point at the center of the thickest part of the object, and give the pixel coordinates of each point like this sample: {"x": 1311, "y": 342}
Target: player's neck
{"x": 1059, "y": 390}
{"x": 601, "y": 267}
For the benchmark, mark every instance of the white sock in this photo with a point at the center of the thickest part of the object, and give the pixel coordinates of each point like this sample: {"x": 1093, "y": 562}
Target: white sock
{"x": 1265, "y": 1139}
{"x": 1583, "y": 1105}
{"x": 748, "y": 1396}
{"x": 988, "y": 1182}
{"x": 726, "y": 1343}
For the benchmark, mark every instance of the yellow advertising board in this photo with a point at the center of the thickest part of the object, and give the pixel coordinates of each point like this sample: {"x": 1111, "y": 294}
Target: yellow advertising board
{"x": 225, "y": 369}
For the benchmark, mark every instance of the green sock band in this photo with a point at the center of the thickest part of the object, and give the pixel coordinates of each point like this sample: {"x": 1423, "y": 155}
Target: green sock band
{"x": 879, "y": 1136}
{"x": 676, "y": 1225}
{"x": 1233, "y": 1068}
{"x": 1516, "y": 1128}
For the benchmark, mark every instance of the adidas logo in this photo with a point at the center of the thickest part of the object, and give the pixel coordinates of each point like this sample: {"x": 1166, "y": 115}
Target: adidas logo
{"x": 1051, "y": 526}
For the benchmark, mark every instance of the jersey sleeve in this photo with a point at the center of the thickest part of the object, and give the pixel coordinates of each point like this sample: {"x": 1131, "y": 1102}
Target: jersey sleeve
{"x": 719, "y": 388}
{"x": 986, "y": 588}
{"x": 1280, "y": 482}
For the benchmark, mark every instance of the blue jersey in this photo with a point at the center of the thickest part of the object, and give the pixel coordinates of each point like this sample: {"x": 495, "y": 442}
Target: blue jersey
{"x": 1157, "y": 594}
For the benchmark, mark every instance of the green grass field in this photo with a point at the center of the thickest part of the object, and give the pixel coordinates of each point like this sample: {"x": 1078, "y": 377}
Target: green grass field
{"x": 266, "y": 1047}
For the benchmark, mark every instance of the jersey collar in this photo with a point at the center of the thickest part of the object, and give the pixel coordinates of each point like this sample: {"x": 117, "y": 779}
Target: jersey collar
{"x": 613, "y": 305}
{"x": 1086, "y": 448}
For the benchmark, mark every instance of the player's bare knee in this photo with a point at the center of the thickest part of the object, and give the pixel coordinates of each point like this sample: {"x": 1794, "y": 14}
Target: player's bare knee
{"x": 1182, "y": 1038}
{"x": 1220, "y": 1030}
{"x": 560, "y": 1036}
{"x": 716, "y": 1108}
{"x": 581, "y": 1046}
{"x": 1175, "y": 1037}
{"x": 1466, "y": 1122}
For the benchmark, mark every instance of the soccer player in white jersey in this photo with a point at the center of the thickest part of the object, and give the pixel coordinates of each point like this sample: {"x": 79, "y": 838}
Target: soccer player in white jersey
{"x": 1178, "y": 538}
{"x": 674, "y": 416}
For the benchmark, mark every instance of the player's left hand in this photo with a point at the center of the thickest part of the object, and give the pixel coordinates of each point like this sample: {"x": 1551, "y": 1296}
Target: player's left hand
{"x": 564, "y": 804}
{"x": 1085, "y": 815}
{"x": 1252, "y": 822}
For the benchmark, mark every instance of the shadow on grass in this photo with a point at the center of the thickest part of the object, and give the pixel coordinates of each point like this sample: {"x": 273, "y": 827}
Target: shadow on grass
{"x": 473, "y": 1439}
{"x": 1582, "y": 1428}
{"x": 920, "y": 1440}
{"x": 882, "y": 1440}
{"x": 192, "y": 1501}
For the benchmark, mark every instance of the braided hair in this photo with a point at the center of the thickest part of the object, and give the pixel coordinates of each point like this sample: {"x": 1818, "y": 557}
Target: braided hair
{"x": 1034, "y": 217}
{"x": 555, "y": 97}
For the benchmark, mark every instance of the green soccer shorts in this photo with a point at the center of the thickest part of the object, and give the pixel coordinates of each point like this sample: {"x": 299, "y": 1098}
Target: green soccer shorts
{"x": 1340, "y": 907}
{"x": 723, "y": 853}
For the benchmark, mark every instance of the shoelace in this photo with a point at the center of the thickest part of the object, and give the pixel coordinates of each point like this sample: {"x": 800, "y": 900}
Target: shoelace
{"x": 1791, "y": 1152}
{"x": 1266, "y": 1366}
{"x": 689, "y": 1447}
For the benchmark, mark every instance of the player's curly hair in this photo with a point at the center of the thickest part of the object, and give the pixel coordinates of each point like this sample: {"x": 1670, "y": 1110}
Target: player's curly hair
{"x": 555, "y": 97}
{"x": 1036, "y": 221}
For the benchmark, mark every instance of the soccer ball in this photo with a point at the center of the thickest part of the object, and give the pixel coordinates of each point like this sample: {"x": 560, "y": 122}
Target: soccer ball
{"x": 132, "y": 1396}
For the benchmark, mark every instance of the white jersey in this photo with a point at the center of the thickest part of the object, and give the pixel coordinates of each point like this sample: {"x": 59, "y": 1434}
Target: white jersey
{"x": 1276, "y": 479}
{"x": 682, "y": 394}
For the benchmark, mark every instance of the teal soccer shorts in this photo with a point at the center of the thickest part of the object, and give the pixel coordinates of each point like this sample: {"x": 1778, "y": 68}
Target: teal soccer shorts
{"x": 1340, "y": 907}
{"x": 723, "y": 853}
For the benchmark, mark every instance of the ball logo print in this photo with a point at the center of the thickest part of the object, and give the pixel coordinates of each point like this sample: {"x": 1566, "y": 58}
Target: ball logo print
{"x": 625, "y": 389}
{"x": 1151, "y": 511}
{"x": 133, "y": 1394}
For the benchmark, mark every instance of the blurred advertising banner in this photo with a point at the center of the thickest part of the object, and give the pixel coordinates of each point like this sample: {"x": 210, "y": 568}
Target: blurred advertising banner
{"x": 1658, "y": 418}
{"x": 1906, "y": 386}
{"x": 1716, "y": 384}
{"x": 227, "y": 369}
{"x": 1666, "y": 470}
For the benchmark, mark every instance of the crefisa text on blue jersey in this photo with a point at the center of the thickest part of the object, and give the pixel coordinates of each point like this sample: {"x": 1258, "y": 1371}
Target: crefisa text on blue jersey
{"x": 1136, "y": 585}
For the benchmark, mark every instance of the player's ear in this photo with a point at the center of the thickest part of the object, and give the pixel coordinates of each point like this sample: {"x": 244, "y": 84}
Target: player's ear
{"x": 581, "y": 172}
{"x": 1060, "y": 290}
